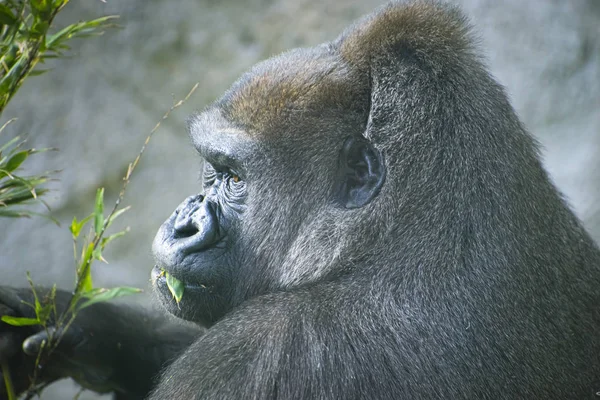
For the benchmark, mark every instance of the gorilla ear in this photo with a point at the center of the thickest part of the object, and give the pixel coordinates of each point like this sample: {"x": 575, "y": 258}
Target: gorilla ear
{"x": 361, "y": 173}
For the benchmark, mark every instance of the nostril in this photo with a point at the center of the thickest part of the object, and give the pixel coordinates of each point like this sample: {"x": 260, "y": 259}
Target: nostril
{"x": 185, "y": 229}
{"x": 184, "y": 224}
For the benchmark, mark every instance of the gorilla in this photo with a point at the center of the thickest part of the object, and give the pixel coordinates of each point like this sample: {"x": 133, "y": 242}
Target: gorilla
{"x": 375, "y": 223}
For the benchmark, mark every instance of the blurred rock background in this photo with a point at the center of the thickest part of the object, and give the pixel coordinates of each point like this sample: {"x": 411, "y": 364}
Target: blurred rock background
{"x": 99, "y": 105}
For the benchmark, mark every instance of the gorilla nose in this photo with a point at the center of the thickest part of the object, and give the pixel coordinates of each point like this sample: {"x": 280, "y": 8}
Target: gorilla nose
{"x": 189, "y": 216}
{"x": 195, "y": 226}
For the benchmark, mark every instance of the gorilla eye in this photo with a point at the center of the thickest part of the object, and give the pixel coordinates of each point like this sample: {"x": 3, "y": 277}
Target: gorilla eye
{"x": 230, "y": 176}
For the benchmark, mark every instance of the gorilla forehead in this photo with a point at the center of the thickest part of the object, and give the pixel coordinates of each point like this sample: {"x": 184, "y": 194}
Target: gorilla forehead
{"x": 291, "y": 86}
{"x": 287, "y": 89}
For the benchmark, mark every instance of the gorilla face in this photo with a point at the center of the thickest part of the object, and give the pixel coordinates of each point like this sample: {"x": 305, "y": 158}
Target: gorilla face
{"x": 196, "y": 244}
{"x": 283, "y": 152}
{"x": 195, "y": 240}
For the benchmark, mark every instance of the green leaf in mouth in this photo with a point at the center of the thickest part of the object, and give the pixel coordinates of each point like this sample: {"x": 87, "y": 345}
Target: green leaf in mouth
{"x": 175, "y": 286}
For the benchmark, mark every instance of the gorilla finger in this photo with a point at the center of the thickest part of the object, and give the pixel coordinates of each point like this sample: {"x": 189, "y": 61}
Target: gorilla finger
{"x": 33, "y": 344}
{"x": 67, "y": 340}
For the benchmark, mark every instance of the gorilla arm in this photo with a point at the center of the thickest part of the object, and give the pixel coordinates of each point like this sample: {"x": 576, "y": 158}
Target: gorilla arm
{"x": 314, "y": 343}
{"x": 262, "y": 350}
{"x": 108, "y": 348}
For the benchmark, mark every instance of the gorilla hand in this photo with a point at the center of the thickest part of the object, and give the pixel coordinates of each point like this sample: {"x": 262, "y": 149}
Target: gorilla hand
{"x": 108, "y": 347}
{"x": 10, "y": 354}
{"x": 84, "y": 351}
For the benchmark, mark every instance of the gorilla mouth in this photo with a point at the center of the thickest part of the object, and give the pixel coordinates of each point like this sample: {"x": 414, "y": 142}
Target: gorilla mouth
{"x": 176, "y": 287}
{"x": 180, "y": 296}
{"x": 163, "y": 280}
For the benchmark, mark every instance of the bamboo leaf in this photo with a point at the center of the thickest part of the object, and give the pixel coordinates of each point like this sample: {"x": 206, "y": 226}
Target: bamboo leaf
{"x": 6, "y": 16}
{"x": 74, "y": 228}
{"x": 102, "y": 295}
{"x": 19, "y": 321}
{"x": 77, "y": 226}
{"x": 112, "y": 237}
{"x": 79, "y": 29}
{"x": 39, "y": 72}
{"x": 97, "y": 255}
{"x": 116, "y": 215}
{"x": 14, "y": 213}
{"x": 99, "y": 211}
{"x": 85, "y": 270}
{"x": 175, "y": 286}
{"x": 37, "y": 306}
{"x": 10, "y": 142}
{"x": 16, "y": 160}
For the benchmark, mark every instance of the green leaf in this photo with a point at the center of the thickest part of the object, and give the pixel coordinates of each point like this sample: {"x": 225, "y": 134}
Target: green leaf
{"x": 99, "y": 211}
{"x": 19, "y": 321}
{"x": 116, "y": 215}
{"x": 92, "y": 293}
{"x": 85, "y": 271}
{"x": 175, "y": 286}
{"x": 97, "y": 255}
{"x": 14, "y": 213}
{"x": 39, "y": 29}
{"x": 44, "y": 313}
{"x": 77, "y": 226}
{"x": 52, "y": 300}
{"x": 30, "y": 182}
{"x": 112, "y": 237}
{"x": 18, "y": 190}
{"x": 80, "y": 29}
{"x": 9, "y": 143}
{"x": 16, "y": 160}
{"x": 26, "y": 214}
{"x": 36, "y": 301}
{"x": 6, "y": 16}
{"x": 87, "y": 280}
{"x": 74, "y": 228}
{"x": 40, "y": 7}
{"x": 39, "y": 72}
{"x": 22, "y": 196}
{"x": 101, "y": 295}
{"x": 4, "y": 173}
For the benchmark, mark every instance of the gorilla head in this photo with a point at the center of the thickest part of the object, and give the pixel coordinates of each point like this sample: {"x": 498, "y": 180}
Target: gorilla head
{"x": 291, "y": 178}
{"x": 373, "y": 209}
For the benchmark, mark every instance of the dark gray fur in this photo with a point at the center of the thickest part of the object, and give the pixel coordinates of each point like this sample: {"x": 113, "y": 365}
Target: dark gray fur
{"x": 468, "y": 277}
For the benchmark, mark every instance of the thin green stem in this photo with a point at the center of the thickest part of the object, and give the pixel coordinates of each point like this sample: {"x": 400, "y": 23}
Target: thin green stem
{"x": 10, "y": 390}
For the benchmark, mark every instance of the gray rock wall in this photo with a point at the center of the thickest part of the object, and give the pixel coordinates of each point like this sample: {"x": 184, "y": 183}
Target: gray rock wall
{"x": 99, "y": 105}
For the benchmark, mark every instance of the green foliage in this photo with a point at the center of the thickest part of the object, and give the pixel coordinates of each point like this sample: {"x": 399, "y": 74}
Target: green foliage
{"x": 100, "y": 295}
{"x": 16, "y": 189}
{"x": 25, "y": 39}
{"x": 91, "y": 249}
{"x": 10, "y": 391}
{"x": 99, "y": 211}
{"x": 20, "y": 321}
{"x": 175, "y": 286}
